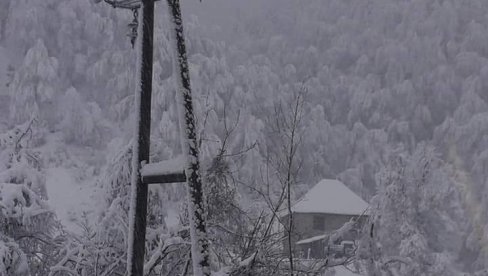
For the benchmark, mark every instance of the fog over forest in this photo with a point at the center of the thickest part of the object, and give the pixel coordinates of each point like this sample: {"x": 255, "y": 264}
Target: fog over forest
{"x": 338, "y": 137}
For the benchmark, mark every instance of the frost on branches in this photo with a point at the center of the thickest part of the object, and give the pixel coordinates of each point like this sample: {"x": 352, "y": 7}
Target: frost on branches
{"x": 411, "y": 230}
{"x": 27, "y": 225}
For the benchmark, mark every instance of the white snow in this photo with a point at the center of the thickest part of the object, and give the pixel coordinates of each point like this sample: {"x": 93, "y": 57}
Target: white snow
{"x": 312, "y": 239}
{"x": 67, "y": 197}
{"x": 247, "y": 262}
{"x": 172, "y": 218}
{"x": 330, "y": 196}
{"x": 175, "y": 165}
{"x": 13, "y": 201}
{"x": 342, "y": 271}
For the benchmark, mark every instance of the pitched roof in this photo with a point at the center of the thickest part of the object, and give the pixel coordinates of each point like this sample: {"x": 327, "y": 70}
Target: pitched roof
{"x": 330, "y": 196}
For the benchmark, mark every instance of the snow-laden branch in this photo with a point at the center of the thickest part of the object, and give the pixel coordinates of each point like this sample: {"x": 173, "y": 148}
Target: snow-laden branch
{"x": 161, "y": 253}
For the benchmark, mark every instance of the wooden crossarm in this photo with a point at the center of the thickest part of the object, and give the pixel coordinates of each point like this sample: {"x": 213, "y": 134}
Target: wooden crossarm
{"x": 164, "y": 178}
{"x": 125, "y": 4}
{"x": 166, "y": 171}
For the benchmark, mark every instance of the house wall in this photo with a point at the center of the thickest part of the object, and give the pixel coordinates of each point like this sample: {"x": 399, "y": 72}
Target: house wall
{"x": 303, "y": 227}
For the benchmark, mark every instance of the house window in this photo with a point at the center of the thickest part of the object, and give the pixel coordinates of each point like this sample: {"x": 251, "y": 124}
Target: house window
{"x": 318, "y": 223}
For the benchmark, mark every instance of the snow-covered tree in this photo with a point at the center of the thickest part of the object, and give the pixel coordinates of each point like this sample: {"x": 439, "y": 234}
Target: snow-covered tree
{"x": 225, "y": 219}
{"x": 411, "y": 229}
{"x": 34, "y": 87}
{"x": 82, "y": 123}
{"x": 28, "y": 225}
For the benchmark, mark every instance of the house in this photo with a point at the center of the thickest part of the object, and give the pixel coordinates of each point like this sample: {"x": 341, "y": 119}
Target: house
{"x": 322, "y": 210}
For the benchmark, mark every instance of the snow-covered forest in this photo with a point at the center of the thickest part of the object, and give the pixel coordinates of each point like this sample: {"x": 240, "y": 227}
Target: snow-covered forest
{"x": 388, "y": 96}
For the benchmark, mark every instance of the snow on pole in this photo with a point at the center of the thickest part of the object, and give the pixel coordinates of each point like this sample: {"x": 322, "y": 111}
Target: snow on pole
{"x": 139, "y": 191}
{"x": 198, "y": 231}
{"x": 171, "y": 166}
{"x": 167, "y": 171}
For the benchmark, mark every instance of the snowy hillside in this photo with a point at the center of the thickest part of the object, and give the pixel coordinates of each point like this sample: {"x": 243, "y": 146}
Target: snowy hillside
{"x": 389, "y": 97}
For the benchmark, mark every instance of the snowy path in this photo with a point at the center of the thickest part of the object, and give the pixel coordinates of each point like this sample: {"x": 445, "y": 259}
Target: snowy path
{"x": 67, "y": 197}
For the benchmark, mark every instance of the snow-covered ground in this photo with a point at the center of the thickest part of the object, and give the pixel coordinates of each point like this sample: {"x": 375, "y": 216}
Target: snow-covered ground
{"x": 342, "y": 271}
{"x": 172, "y": 218}
{"x": 67, "y": 197}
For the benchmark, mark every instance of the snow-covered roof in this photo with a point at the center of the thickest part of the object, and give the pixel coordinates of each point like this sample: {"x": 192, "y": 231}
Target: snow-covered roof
{"x": 330, "y": 196}
{"x": 312, "y": 239}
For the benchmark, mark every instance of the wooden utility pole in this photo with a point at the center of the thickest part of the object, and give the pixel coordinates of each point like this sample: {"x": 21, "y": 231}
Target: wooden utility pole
{"x": 198, "y": 230}
{"x": 144, "y": 173}
{"x": 139, "y": 190}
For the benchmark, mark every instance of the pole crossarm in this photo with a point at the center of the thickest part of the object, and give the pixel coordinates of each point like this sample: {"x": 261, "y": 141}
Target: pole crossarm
{"x": 125, "y": 4}
{"x": 164, "y": 178}
{"x": 167, "y": 171}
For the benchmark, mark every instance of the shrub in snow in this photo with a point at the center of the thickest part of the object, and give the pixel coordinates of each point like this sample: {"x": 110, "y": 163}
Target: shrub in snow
{"x": 13, "y": 261}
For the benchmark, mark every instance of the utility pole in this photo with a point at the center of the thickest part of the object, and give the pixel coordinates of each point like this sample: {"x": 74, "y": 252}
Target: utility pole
{"x": 189, "y": 144}
{"x": 140, "y": 149}
{"x": 144, "y": 173}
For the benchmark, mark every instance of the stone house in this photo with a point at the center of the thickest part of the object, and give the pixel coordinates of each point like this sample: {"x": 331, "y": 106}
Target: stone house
{"x": 322, "y": 210}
